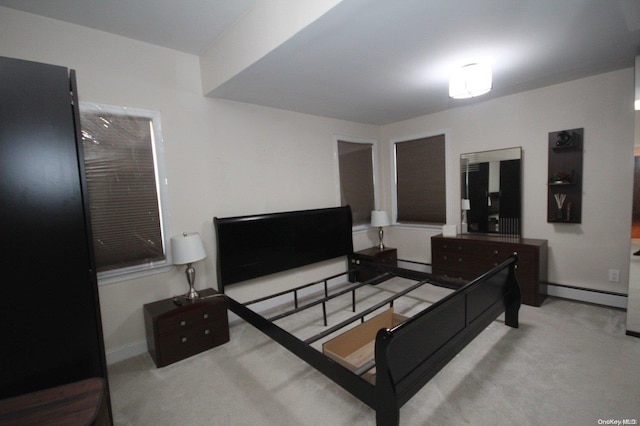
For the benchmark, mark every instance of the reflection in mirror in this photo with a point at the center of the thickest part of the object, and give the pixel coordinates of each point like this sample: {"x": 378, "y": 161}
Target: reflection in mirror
{"x": 491, "y": 191}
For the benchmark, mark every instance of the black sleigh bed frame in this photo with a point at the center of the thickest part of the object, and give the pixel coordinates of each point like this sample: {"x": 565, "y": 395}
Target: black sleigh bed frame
{"x": 407, "y": 356}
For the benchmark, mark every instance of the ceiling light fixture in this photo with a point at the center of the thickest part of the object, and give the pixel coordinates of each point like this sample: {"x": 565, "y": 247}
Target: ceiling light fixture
{"x": 470, "y": 81}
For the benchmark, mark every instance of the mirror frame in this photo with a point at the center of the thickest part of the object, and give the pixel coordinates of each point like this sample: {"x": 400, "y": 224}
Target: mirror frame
{"x": 508, "y": 219}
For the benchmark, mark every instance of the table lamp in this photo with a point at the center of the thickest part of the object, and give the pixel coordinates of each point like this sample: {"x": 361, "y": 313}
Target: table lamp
{"x": 380, "y": 218}
{"x": 186, "y": 249}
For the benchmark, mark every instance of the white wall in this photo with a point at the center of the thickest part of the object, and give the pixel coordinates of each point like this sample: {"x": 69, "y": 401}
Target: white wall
{"x": 265, "y": 26}
{"x": 223, "y": 158}
{"x": 579, "y": 254}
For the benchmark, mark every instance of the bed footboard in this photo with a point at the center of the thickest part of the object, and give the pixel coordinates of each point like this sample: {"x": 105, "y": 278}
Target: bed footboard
{"x": 409, "y": 355}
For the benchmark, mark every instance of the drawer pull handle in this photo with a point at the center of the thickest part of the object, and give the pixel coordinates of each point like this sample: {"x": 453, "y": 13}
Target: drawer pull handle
{"x": 495, "y": 252}
{"x": 206, "y": 331}
{"x": 444, "y": 257}
{"x": 205, "y": 316}
{"x": 459, "y": 248}
{"x": 459, "y": 259}
{"x": 183, "y": 339}
{"x": 183, "y": 323}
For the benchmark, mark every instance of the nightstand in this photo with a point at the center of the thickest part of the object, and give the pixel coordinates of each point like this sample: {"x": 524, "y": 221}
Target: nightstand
{"x": 178, "y": 331}
{"x": 388, "y": 256}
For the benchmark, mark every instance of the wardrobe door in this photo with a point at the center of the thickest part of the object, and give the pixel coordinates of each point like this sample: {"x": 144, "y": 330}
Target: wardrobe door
{"x": 50, "y": 331}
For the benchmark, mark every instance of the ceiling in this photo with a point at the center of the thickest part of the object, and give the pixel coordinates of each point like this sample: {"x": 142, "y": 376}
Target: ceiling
{"x": 380, "y": 62}
{"x": 186, "y": 25}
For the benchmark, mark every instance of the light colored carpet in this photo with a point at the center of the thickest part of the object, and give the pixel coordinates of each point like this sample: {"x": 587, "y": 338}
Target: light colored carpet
{"x": 568, "y": 363}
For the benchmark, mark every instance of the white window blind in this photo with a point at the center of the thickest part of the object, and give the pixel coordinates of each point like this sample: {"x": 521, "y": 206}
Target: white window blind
{"x": 123, "y": 185}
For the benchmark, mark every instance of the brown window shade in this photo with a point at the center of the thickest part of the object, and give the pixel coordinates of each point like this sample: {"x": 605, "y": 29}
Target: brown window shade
{"x": 420, "y": 173}
{"x": 123, "y": 197}
{"x": 356, "y": 179}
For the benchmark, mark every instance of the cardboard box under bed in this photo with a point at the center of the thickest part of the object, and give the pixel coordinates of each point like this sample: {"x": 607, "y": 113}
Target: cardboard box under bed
{"x": 355, "y": 347}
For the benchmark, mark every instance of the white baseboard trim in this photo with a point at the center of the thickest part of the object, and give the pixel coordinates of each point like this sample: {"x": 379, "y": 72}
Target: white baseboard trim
{"x": 124, "y": 352}
{"x": 414, "y": 266}
{"x": 606, "y": 299}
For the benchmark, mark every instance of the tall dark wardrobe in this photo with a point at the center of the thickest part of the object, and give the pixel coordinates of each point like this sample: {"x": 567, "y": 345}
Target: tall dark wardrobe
{"x": 51, "y": 331}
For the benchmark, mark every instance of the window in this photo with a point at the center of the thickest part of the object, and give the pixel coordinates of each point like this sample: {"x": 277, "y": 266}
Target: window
{"x": 357, "y": 183}
{"x": 420, "y": 187}
{"x": 126, "y": 185}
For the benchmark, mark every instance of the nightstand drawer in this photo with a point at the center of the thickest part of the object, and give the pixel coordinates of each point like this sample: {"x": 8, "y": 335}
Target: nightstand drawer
{"x": 178, "y": 331}
{"x": 388, "y": 259}
{"x": 178, "y": 320}
{"x": 177, "y": 346}
{"x": 386, "y": 256}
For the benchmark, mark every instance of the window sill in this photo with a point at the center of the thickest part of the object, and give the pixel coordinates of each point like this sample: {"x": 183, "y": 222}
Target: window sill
{"x": 426, "y": 226}
{"x": 112, "y": 277}
{"x": 360, "y": 228}
{"x": 429, "y": 226}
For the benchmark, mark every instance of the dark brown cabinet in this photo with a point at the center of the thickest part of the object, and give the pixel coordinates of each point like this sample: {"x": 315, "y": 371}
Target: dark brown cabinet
{"x": 51, "y": 330}
{"x": 388, "y": 256}
{"x": 564, "y": 203}
{"x": 178, "y": 331}
{"x": 467, "y": 256}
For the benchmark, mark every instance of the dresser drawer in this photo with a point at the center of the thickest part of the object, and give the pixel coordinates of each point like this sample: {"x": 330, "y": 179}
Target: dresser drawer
{"x": 468, "y": 256}
{"x": 453, "y": 273}
{"x": 491, "y": 252}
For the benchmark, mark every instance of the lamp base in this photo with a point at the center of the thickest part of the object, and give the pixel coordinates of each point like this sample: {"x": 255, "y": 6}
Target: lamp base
{"x": 192, "y": 294}
{"x": 380, "y": 236}
{"x": 191, "y": 275}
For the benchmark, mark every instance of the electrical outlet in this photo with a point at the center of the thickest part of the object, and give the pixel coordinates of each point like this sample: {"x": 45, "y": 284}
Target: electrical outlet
{"x": 614, "y": 275}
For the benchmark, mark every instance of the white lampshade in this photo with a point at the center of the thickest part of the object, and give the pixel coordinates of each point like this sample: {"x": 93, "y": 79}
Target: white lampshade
{"x": 380, "y": 218}
{"x": 187, "y": 248}
{"x": 465, "y": 204}
{"x": 470, "y": 81}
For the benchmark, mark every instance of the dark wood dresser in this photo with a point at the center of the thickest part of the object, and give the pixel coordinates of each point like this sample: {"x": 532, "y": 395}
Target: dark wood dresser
{"x": 467, "y": 256}
{"x": 175, "y": 332}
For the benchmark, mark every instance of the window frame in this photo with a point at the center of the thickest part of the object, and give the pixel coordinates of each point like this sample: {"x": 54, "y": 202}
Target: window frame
{"x": 394, "y": 179}
{"x": 162, "y": 194}
{"x": 374, "y": 168}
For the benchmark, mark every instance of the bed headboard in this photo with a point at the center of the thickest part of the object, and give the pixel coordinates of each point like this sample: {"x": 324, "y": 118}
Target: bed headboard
{"x": 254, "y": 246}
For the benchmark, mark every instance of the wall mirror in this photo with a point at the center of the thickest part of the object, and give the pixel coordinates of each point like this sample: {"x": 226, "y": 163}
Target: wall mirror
{"x": 491, "y": 191}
